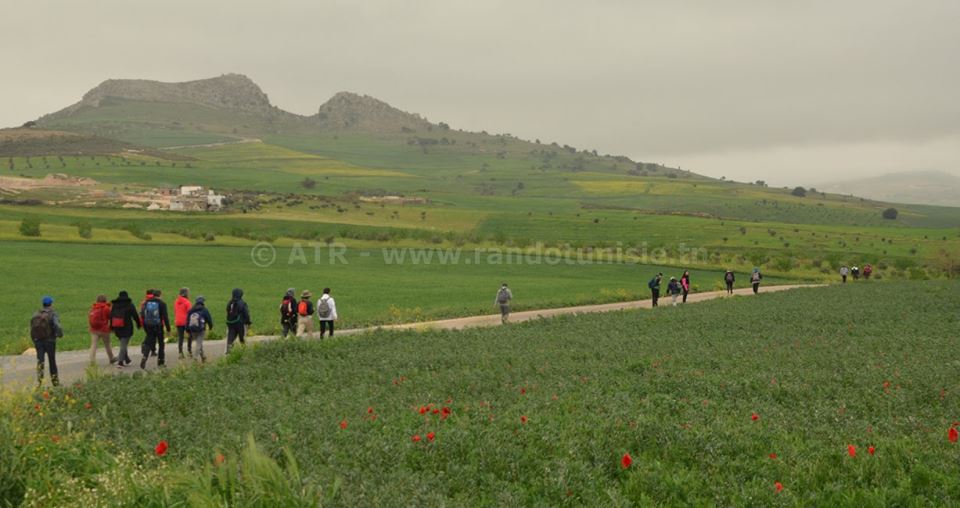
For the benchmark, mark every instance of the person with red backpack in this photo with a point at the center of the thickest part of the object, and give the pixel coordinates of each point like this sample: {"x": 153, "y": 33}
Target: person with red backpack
{"x": 123, "y": 317}
{"x": 99, "y": 320}
{"x": 153, "y": 314}
{"x": 288, "y": 313}
{"x": 305, "y": 312}
{"x": 45, "y": 329}
{"x": 867, "y": 270}
{"x": 181, "y": 306}
{"x": 238, "y": 319}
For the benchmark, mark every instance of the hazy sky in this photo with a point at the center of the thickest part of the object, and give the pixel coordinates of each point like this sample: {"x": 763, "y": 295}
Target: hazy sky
{"x": 793, "y": 92}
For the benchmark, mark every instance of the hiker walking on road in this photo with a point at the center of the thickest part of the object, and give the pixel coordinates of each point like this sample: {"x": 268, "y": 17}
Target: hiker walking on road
{"x": 326, "y": 311}
{"x": 99, "y": 320}
{"x": 755, "y": 279}
{"x": 654, "y": 286}
{"x": 685, "y": 284}
{"x": 504, "y": 295}
{"x": 844, "y": 271}
{"x": 238, "y": 319}
{"x": 867, "y": 270}
{"x": 674, "y": 289}
{"x": 45, "y": 329}
{"x": 199, "y": 321}
{"x": 305, "y": 312}
{"x": 855, "y": 271}
{"x": 181, "y": 307}
{"x": 123, "y": 316}
{"x": 729, "y": 279}
{"x": 288, "y": 313}
{"x": 153, "y": 314}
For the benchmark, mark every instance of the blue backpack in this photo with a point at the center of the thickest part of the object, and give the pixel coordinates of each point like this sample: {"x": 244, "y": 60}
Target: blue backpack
{"x": 151, "y": 313}
{"x": 653, "y": 283}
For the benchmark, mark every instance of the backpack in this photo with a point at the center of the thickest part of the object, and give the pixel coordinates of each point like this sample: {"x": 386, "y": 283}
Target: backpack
{"x": 151, "y": 313}
{"x": 653, "y": 283}
{"x": 233, "y": 312}
{"x": 756, "y": 277}
{"x": 304, "y": 308}
{"x": 503, "y": 297}
{"x": 118, "y": 318}
{"x": 41, "y": 326}
{"x": 286, "y": 309}
{"x": 196, "y": 322}
{"x": 96, "y": 318}
{"x": 323, "y": 308}
{"x": 728, "y": 277}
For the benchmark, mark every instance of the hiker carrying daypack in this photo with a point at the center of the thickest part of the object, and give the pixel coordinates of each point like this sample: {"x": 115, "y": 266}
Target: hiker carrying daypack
{"x": 288, "y": 313}
{"x": 151, "y": 313}
{"x": 305, "y": 313}
{"x": 654, "y": 286}
{"x": 755, "y": 279}
{"x": 327, "y": 312}
{"x": 729, "y": 279}
{"x": 504, "y": 295}
{"x": 45, "y": 330}
{"x": 199, "y": 321}
{"x": 238, "y": 318}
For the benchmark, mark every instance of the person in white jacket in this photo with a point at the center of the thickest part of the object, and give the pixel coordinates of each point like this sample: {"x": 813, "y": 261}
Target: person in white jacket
{"x": 327, "y": 312}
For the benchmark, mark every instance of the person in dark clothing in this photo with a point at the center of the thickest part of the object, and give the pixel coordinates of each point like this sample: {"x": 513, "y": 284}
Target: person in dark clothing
{"x": 45, "y": 329}
{"x": 685, "y": 284}
{"x": 674, "y": 289}
{"x": 153, "y": 315}
{"x": 238, "y": 319}
{"x": 288, "y": 313}
{"x": 199, "y": 321}
{"x": 755, "y": 279}
{"x": 654, "y": 286}
{"x": 123, "y": 316}
{"x": 729, "y": 279}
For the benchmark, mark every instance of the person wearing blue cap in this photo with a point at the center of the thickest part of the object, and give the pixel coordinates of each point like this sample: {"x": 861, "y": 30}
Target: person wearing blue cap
{"x": 45, "y": 329}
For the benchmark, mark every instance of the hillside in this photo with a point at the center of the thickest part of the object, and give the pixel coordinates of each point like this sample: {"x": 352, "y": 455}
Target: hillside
{"x": 35, "y": 142}
{"x": 912, "y": 187}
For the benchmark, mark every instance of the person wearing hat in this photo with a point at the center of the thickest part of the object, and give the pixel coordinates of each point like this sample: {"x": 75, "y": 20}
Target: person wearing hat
{"x": 199, "y": 321}
{"x": 305, "y": 312}
{"x": 45, "y": 330}
{"x": 504, "y": 295}
{"x": 674, "y": 289}
{"x": 288, "y": 313}
{"x": 123, "y": 317}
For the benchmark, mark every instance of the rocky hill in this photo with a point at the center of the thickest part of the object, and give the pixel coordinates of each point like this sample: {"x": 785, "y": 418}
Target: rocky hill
{"x": 350, "y": 111}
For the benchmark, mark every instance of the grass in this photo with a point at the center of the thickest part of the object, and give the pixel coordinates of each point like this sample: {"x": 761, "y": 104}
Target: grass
{"x": 541, "y": 413}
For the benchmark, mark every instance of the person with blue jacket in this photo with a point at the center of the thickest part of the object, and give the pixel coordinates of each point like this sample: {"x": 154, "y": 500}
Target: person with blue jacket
{"x": 199, "y": 321}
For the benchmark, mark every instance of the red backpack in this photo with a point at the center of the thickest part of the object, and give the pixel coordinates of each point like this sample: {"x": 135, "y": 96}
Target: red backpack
{"x": 99, "y": 317}
{"x": 303, "y": 308}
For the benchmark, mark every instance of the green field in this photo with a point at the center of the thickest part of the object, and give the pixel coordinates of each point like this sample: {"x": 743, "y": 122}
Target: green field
{"x": 541, "y": 413}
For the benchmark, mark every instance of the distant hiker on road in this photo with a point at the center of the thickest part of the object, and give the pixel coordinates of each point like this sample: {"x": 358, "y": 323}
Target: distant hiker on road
{"x": 99, "y": 321}
{"x": 181, "y": 307}
{"x": 504, "y": 295}
{"x": 199, "y": 321}
{"x": 855, "y": 271}
{"x": 326, "y": 311}
{"x": 305, "y": 313}
{"x": 867, "y": 270}
{"x": 654, "y": 286}
{"x": 729, "y": 279}
{"x": 45, "y": 330}
{"x": 844, "y": 271}
{"x": 153, "y": 314}
{"x": 755, "y": 279}
{"x": 674, "y": 289}
{"x": 685, "y": 284}
{"x": 238, "y": 319}
{"x": 123, "y": 316}
{"x": 288, "y": 313}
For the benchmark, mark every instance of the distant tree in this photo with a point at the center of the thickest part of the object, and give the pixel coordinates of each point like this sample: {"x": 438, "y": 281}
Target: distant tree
{"x": 30, "y": 226}
{"x": 444, "y": 126}
{"x": 85, "y": 230}
{"x": 761, "y": 183}
{"x": 890, "y": 213}
{"x": 308, "y": 183}
{"x": 799, "y": 192}
{"x": 29, "y": 124}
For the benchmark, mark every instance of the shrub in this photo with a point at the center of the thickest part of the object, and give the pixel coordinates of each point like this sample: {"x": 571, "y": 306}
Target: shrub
{"x": 85, "y": 230}
{"x": 890, "y": 213}
{"x": 799, "y": 192}
{"x": 30, "y": 226}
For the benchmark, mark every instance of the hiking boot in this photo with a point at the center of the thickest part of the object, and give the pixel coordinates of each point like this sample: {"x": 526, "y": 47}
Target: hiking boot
{"x": 55, "y": 380}
{"x": 161, "y": 365}
{"x": 113, "y": 360}
{"x": 181, "y": 355}
{"x": 143, "y": 363}
{"x": 120, "y": 366}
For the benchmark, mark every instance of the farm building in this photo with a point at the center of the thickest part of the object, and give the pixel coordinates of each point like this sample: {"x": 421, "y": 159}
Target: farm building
{"x": 196, "y": 198}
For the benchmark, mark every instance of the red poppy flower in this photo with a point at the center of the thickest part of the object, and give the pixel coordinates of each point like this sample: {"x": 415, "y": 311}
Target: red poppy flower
{"x": 773, "y": 456}
{"x": 626, "y": 460}
{"x": 370, "y": 410}
{"x": 870, "y": 450}
{"x": 952, "y": 434}
{"x": 778, "y": 486}
{"x": 449, "y": 401}
{"x": 46, "y": 395}
{"x": 754, "y": 417}
{"x": 523, "y": 390}
{"x": 415, "y": 438}
{"x": 851, "y": 450}
{"x": 161, "y": 448}
{"x": 343, "y": 424}
{"x": 88, "y": 406}
{"x": 423, "y": 410}
{"x": 37, "y": 407}
{"x": 445, "y": 411}
{"x": 436, "y": 411}
{"x": 219, "y": 459}
{"x": 523, "y": 419}
{"x": 430, "y": 436}
{"x": 55, "y": 438}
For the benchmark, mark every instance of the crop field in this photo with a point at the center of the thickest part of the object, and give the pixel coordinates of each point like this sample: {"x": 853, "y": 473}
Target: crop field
{"x": 372, "y": 286}
{"x": 829, "y": 396}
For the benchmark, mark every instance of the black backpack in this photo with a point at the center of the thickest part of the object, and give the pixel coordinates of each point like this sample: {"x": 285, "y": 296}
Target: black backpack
{"x": 41, "y": 326}
{"x": 233, "y": 312}
{"x": 653, "y": 283}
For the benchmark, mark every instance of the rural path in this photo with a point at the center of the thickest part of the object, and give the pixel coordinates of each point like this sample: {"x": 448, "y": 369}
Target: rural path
{"x": 240, "y": 141}
{"x": 20, "y": 370}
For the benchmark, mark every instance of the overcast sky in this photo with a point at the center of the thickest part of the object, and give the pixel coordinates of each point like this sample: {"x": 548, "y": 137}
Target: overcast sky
{"x": 792, "y": 92}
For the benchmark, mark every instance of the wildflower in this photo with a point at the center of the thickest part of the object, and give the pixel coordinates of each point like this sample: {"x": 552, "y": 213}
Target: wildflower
{"x": 626, "y": 460}
{"x": 778, "y": 486}
{"x": 423, "y": 410}
{"x": 55, "y": 438}
{"x": 46, "y": 395}
{"x": 952, "y": 434}
{"x": 430, "y": 436}
{"x": 436, "y": 411}
{"x": 870, "y": 450}
{"x": 445, "y": 412}
{"x": 88, "y": 405}
{"x": 161, "y": 448}
{"x": 37, "y": 407}
{"x": 754, "y": 417}
{"x": 370, "y": 410}
{"x": 523, "y": 390}
{"x": 415, "y": 438}
{"x": 773, "y": 456}
{"x": 343, "y": 425}
{"x": 523, "y": 419}
{"x": 851, "y": 450}
{"x": 218, "y": 460}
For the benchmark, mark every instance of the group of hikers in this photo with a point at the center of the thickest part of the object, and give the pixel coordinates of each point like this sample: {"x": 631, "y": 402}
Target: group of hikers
{"x": 681, "y": 288}
{"x": 856, "y": 272}
{"x": 192, "y": 321}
